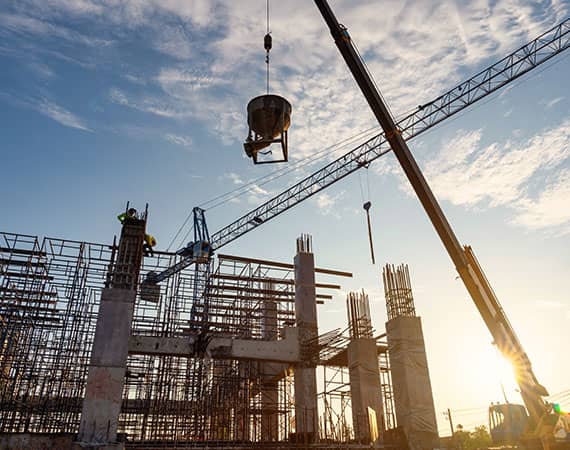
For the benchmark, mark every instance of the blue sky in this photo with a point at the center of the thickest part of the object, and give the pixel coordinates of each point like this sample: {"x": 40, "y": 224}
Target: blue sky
{"x": 103, "y": 102}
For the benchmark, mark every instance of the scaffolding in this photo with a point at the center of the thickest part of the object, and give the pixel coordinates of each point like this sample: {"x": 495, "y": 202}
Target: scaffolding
{"x": 387, "y": 391}
{"x": 200, "y": 398}
{"x": 49, "y": 297}
{"x": 336, "y": 419}
{"x": 50, "y": 291}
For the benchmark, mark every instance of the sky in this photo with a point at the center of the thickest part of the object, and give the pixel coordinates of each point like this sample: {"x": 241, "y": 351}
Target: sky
{"x": 104, "y": 102}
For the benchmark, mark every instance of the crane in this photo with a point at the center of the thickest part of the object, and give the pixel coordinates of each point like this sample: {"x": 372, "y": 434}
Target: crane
{"x": 394, "y": 137}
{"x": 540, "y": 412}
{"x": 508, "y": 69}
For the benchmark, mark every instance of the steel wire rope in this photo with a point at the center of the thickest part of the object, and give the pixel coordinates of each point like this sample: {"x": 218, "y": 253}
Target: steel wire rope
{"x": 266, "y": 179}
{"x": 360, "y": 186}
{"x": 300, "y": 164}
{"x": 562, "y": 398}
{"x": 478, "y": 408}
{"x": 469, "y": 414}
{"x": 560, "y": 394}
{"x": 267, "y": 51}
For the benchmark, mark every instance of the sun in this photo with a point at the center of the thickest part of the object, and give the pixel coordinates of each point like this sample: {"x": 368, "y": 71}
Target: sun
{"x": 495, "y": 376}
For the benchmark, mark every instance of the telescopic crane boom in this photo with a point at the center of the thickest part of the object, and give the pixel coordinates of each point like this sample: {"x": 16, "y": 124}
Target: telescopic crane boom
{"x": 463, "y": 257}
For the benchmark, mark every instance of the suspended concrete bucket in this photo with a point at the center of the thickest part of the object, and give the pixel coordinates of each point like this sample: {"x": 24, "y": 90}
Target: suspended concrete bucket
{"x": 268, "y": 118}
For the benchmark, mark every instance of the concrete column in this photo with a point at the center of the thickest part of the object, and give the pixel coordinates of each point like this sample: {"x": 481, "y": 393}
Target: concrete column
{"x": 365, "y": 390}
{"x": 105, "y": 380}
{"x": 413, "y": 397}
{"x": 306, "y": 413}
{"x": 270, "y": 387}
{"x": 244, "y": 416}
{"x": 106, "y": 376}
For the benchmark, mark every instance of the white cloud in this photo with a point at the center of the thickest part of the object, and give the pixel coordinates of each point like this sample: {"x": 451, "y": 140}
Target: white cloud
{"x": 189, "y": 94}
{"x": 129, "y": 13}
{"x": 180, "y": 81}
{"x": 76, "y": 7}
{"x": 257, "y": 195}
{"x": 23, "y": 25}
{"x": 61, "y": 115}
{"x": 183, "y": 141}
{"x": 553, "y": 102}
{"x": 551, "y": 208}
{"x": 164, "y": 21}
{"x": 327, "y": 204}
{"x": 135, "y": 79}
{"x": 234, "y": 178}
{"x": 149, "y": 105}
{"x": 416, "y": 50}
{"x": 118, "y": 96}
{"x": 432, "y": 45}
{"x": 41, "y": 70}
{"x": 47, "y": 108}
{"x": 239, "y": 190}
{"x": 469, "y": 174}
{"x": 175, "y": 41}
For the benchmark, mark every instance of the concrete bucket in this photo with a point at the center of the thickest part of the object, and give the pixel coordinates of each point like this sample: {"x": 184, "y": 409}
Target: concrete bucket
{"x": 268, "y": 118}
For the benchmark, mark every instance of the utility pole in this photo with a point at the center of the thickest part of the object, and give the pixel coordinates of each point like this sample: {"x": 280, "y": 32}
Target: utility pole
{"x": 450, "y": 422}
{"x": 457, "y": 443}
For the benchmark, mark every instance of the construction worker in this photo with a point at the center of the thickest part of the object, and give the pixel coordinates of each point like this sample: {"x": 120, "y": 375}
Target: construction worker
{"x": 148, "y": 244}
{"x": 130, "y": 214}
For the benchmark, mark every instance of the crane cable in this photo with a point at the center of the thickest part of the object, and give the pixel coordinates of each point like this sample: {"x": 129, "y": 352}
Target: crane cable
{"x": 250, "y": 186}
{"x": 367, "y": 204}
{"x": 267, "y": 44}
{"x": 255, "y": 184}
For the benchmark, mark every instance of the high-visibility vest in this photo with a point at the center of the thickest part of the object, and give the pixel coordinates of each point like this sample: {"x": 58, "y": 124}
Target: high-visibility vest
{"x": 150, "y": 240}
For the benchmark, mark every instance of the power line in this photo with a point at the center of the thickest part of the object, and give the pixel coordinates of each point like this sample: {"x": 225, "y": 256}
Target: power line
{"x": 286, "y": 170}
{"x": 470, "y": 409}
{"x": 266, "y": 179}
{"x": 562, "y": 393}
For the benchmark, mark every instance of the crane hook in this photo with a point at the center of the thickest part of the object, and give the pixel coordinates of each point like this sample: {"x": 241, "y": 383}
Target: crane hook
{"x": 267, "y": 42}
{"x": 366, "y": 207}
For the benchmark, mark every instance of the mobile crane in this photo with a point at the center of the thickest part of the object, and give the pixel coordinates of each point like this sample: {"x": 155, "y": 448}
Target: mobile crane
{"x": 543, "y": 420}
